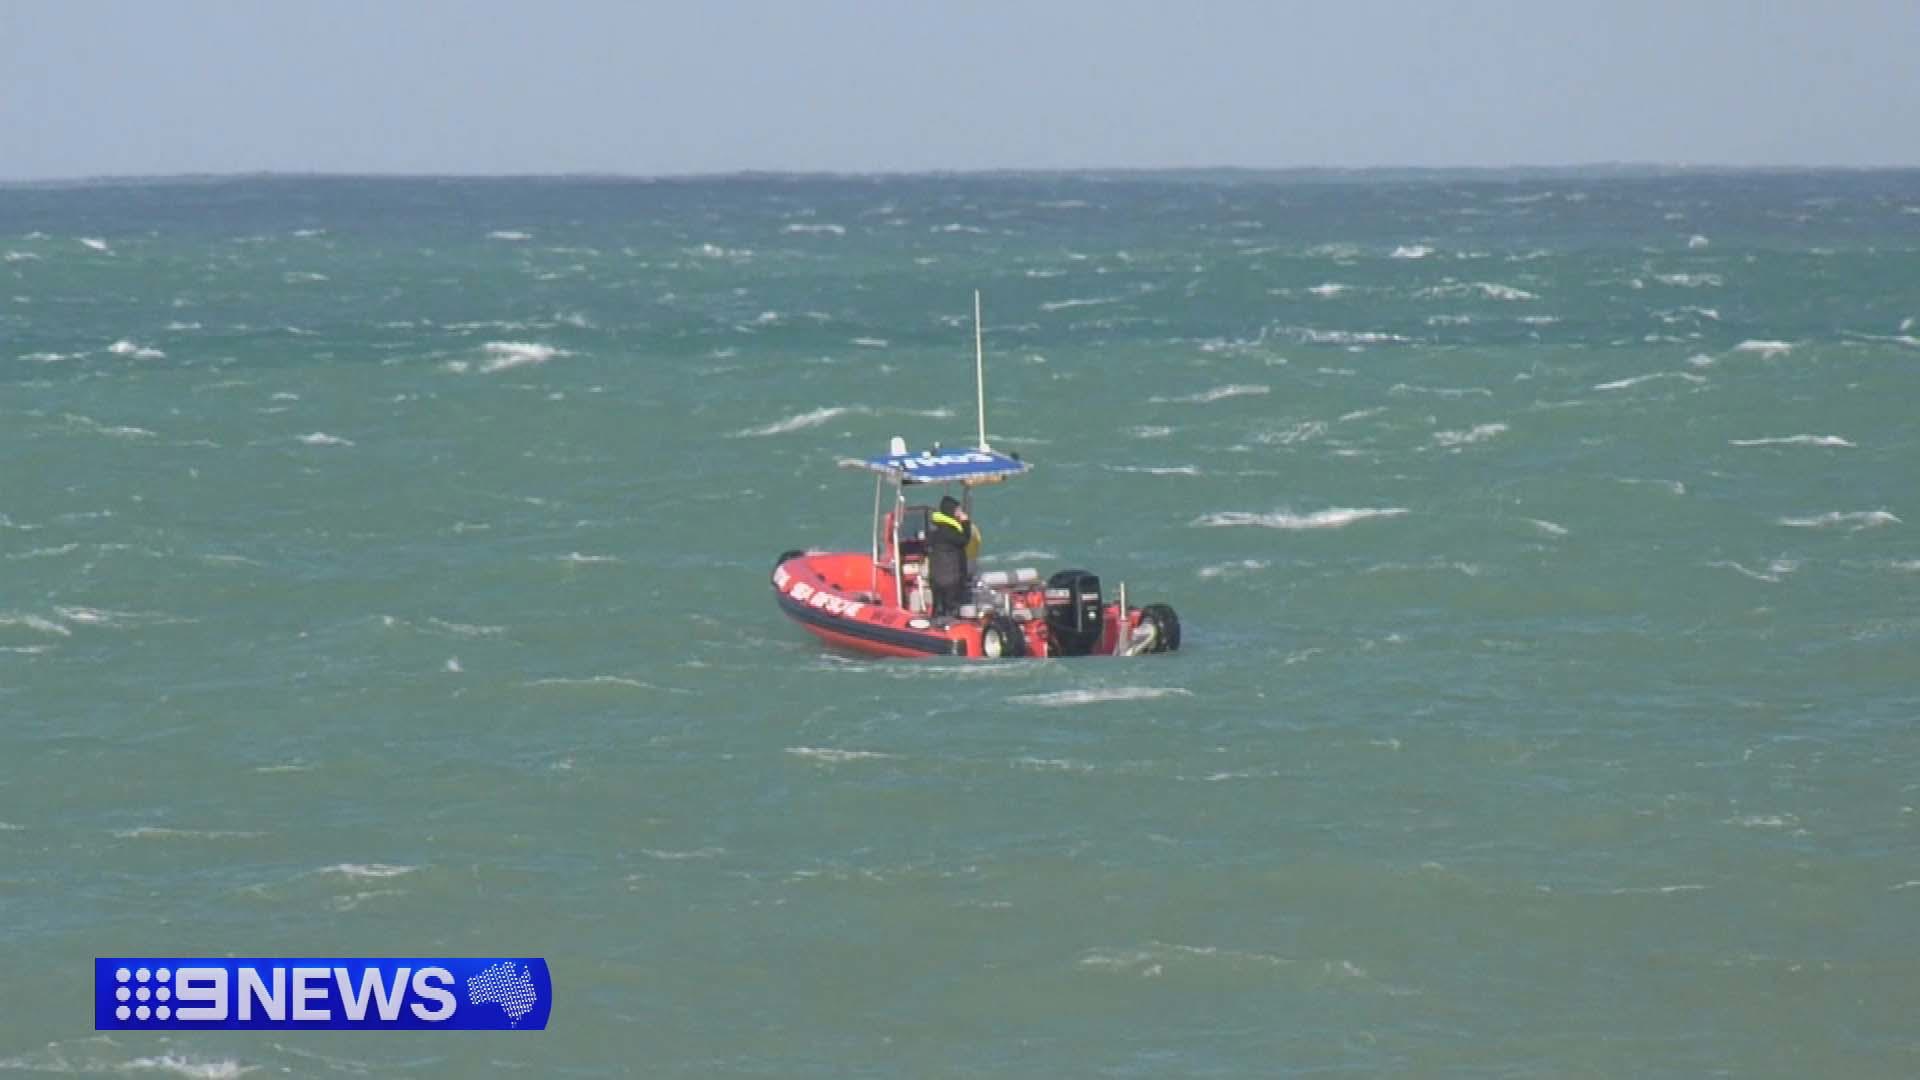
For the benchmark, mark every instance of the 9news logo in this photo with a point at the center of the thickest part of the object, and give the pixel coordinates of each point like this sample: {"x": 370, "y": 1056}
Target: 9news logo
{"x": 279, "y": 994}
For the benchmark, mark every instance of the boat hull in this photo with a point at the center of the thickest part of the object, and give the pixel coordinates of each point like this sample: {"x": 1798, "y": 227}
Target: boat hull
{"x": 848, "y": 603}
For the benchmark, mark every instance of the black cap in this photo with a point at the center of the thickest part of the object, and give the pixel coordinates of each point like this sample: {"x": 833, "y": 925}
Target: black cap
{"x": 948, "y": 504}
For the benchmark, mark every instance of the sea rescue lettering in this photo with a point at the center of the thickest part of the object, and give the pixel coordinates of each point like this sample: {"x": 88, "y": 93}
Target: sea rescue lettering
{"x": 823, "y": 600}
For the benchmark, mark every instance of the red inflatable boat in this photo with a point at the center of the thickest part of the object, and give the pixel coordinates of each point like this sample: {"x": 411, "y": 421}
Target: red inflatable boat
{"x": 881, "y": 601}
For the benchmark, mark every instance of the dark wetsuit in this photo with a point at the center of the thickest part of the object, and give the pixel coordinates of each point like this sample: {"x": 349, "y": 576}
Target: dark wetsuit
{"x": 947, "y": 561}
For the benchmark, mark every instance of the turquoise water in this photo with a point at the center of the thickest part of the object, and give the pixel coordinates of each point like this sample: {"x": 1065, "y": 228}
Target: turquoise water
{"x": 383, "y": 571}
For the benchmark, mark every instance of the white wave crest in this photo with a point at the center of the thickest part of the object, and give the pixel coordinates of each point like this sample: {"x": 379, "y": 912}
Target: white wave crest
{"x": 1690, "y": 281}
{"x": 1491, "y": 290}
{"x": 223, "y": 1069}
{"x": 1765, "y": 348}
{"x": 94, "y": 244}
{"x": 1475, "y": 434}
{"x": 1338, "y": 517}
{"x": 1548, "y": 527}
{"x": 1329, "y": 290}
{"x": 1775, "y": 570}
{"x": 1794, "y": 440}
{"x": 1218, "y": 393}
{"x": 504, "y": 355}
{"x": 366, "y": 871}
{"x": 1062, "y": 305}
{"x": 816, "y": 230}
{"x": 1622, "y": 384}
{"x": 123, "y": 347}
{"x": 161, "y": 832}
{"x": 1411, "y": 251}
{"x": 321, "y": 438}
{"x": 509, "y": 234}
{"x": 38, "y": 623}
{"x": 799, "y": 421}
{"x": 1224, "y": 569}
{"x": 1855, "y": 520}
{"x": 1063, "y": 698}
{"x": 830, "y": 756}
{"x": 1349, "y": 338}
{"x": 1158, "y": 470}
{"x": 1402, "y": 389}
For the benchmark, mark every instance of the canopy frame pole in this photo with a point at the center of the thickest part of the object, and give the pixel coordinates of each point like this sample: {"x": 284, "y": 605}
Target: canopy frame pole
{"x": 979, "y": 371}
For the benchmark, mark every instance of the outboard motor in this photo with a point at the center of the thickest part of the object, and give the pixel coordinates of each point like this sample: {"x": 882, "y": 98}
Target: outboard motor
{"x": 1075, "y": 612}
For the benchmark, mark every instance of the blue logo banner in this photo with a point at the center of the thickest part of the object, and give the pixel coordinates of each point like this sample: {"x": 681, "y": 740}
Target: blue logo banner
{"x": 150, "y": 993}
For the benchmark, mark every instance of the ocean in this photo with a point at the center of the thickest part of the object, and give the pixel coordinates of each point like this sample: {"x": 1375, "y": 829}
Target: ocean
{"x": 383, "y": 571}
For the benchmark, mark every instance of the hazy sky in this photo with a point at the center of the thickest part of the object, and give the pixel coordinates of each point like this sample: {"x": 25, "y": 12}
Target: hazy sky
{"x": 90, "y": 88}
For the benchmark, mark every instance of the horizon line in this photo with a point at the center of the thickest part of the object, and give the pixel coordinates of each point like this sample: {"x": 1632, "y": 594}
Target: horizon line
{"x": 1618, "y": 168}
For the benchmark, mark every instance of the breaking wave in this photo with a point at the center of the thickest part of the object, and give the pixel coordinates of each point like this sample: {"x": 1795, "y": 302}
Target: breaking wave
{"x": 1218, "y": 393}
{"x": 1338, "y": 517}
{"x": 1854, "y": 520}
{"x": 1793, "y": 440}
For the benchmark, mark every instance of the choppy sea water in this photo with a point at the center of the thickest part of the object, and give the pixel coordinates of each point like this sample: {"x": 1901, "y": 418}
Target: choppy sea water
{"x": 383, "y": 571}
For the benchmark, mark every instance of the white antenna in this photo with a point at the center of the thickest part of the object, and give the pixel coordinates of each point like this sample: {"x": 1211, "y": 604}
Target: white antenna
{"x": 979, "y": 370}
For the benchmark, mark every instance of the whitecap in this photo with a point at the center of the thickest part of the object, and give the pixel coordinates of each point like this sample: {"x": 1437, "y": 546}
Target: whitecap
{"x": 1349, "y": 338}
{"x": 34, "y": 622}
{"x": 1765, "y": 348}
{"x": 1794, "y": 440}
{"x": 1857, "y": 520}
{"x": 160, "y": 832}
{"x": 1063, "y": 698}
{"x": 513, "y": 354}
{"x": 1411, "y": 251}
{"x": 596, "y": 680}
{"x": 1491, "y": 290}
{"x": 799, "y": 421}
{"x": 952, "y": 227}
{"x": 1329, "y": 290}
{"x": 95, "y": 244}
{"x": 366, "y": 870}
{"x": 871, "y": 342}
{"x": 1477, "y": 433}
{"x": 1548, "y": 527}
{"x": 830, "y": 756}
{"x": 1158, "y": 470}
{"x": 1338, "y": 517}
{"x": 1218, "y": 393}
{"x": 816, "y": 230}
{"x": 1020, "y": 556}
{"x": 509, "y": 234}
{"x": 1775, "y": 571}
{"x": 1690, "y": 281}
{"x": 123, "y": 347}
{"x": 679, "y": 856}
{"x": 1233, "y": 568}
{"x": 321, "y": 438}
{"x": 1622, "y": 384}
{"x": 1401, "y": 389}
{"x": 1151, "y": 431}
{"x": 1062, "y": 305}
{"x": 579, "y": 559}
{"x": 1304, "y": 431}
{"x": 222, "y": 1069}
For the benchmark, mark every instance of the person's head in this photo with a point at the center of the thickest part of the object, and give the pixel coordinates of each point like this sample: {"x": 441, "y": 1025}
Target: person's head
{"x": 949, "y": 505}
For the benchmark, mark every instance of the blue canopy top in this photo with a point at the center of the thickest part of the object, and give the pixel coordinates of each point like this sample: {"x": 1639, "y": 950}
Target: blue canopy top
{"x": 929, "y": 466}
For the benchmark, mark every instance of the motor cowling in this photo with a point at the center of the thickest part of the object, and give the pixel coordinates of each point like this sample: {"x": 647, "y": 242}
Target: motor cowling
{"x": 1075, "y": 612}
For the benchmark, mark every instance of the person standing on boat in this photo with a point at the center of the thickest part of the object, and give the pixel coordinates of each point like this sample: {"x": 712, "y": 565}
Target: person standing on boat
{"x": 948, "y": 541}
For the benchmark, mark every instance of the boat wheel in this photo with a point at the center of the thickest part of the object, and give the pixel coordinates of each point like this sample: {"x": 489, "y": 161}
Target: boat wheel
{"x": 1001, "y": 639}
{"x": 1166, "y": 627}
